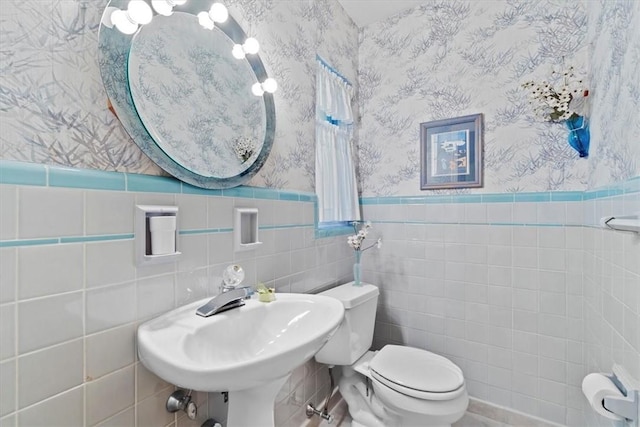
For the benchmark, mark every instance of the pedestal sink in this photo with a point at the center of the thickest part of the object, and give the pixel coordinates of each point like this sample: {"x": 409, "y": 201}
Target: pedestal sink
{"x": 248, "y": 351}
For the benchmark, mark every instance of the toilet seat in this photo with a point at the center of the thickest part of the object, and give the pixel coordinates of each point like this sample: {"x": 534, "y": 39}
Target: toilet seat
{"x": 417, "y": 373}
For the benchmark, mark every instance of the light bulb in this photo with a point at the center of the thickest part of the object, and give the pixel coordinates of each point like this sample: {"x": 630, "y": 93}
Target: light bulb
{"x": 163, "y": 7}
{"x": 123, "y": 23}
{"x": 139, "y": 12}
{"x": 218, "y": 12}
{"x": 106, "y": 17}
{"x": 257, "y": 90}
{"x": 205, "y": 20}
{"x": 270, "y": 85}
{"x": 251, "y": 46}
{"x": 237, "y": 51}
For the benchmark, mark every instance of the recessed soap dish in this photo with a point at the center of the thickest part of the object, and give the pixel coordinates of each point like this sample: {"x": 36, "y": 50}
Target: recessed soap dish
{"x": 245, "y": 229}
{"x": 156, "y": 233}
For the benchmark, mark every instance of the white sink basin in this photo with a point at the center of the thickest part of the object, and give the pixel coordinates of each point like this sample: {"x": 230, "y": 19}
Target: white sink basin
{"x": 244, "y": 349}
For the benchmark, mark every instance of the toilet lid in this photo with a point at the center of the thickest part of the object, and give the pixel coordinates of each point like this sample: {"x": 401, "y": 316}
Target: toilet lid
{"x": 417, "y": 373}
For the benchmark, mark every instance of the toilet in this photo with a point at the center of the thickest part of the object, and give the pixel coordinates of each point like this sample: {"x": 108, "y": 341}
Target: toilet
{"x": 397, "y": 385}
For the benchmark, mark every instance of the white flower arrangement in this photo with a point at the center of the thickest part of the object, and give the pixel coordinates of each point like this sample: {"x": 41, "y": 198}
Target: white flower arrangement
{"x": 555, "y": 104}
{"x": 355, "y": 241}
{"x": 244, "y": 147}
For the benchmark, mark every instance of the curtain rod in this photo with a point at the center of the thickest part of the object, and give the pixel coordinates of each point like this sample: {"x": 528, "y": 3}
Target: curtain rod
{"x": 333, "y": 70}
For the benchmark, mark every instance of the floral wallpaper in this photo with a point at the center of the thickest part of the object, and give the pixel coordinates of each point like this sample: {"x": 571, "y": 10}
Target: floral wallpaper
{"x": 614, "y": 52}
{"x": 443, "y": 58}
{"x": 53, "y": 108}
{"x": 452, "y": 58}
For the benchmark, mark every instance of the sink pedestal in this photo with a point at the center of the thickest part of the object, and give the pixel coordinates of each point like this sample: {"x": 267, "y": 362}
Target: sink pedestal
{"x": 255, "y": 406}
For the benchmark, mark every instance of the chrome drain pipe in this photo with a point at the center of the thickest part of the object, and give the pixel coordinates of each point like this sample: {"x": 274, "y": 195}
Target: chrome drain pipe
{"x": 311, "y": 411}
{"x": 324, "y": 414}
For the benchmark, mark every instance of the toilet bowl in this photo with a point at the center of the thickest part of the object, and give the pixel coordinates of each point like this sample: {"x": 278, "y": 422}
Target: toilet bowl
{"x": 398, "y": 385}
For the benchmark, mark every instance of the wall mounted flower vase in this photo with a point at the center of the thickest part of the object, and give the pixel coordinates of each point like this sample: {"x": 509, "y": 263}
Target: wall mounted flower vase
{"x": 579, "y": 134}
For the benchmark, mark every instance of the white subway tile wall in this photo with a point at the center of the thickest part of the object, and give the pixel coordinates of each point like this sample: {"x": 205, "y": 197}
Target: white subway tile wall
{"x": 526, "y": 307}
{"x": 69, "y": 311}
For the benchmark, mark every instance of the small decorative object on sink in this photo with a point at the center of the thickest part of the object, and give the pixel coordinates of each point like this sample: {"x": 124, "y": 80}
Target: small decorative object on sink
{"x": 265, "y": 294}
{"x": 564, "y": 104}
{"x": 355, "y": 242}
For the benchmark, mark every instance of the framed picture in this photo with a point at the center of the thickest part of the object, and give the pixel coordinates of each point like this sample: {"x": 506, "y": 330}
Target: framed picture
{"x": 451, "y": 153}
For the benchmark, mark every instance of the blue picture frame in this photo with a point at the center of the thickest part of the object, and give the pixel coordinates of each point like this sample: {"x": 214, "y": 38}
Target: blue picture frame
{"x": 451, "y": 153}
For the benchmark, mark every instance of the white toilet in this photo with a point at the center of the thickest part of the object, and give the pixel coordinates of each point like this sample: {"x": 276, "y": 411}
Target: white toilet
{"x": 410, "y": 387}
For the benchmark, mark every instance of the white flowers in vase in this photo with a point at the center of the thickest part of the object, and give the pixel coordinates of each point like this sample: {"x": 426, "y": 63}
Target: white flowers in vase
{"x": 557, "y": 104}
{"x": 355, "y": 241}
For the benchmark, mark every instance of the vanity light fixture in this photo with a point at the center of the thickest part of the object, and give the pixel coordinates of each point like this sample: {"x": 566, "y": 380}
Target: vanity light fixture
{"x": 205, "y": 20}
{"x": 138, "y": 13}
{"x": 269, "y": 85}
{"x": 250, "y": 47}
{"x": 165, "y": 7}
{"x": 218, "y": 12}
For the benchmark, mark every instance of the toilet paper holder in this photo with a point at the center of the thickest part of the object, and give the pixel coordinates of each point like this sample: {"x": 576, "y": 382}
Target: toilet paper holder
{"x": 627, "y": 406}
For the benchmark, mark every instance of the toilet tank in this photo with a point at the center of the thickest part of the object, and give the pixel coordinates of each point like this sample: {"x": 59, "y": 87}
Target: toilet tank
{"x": 355, "y": 335}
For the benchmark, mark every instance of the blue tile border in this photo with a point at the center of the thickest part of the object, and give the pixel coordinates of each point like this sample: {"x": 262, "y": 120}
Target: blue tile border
{"x": 265, "y": 193}
{"x": 97, "y": 238}
{"x": 532, "y": 197}
{"x": 89, "y": 179}
{"x": 153, "y": 184}
{"x": 289, "y": 196}
{"x": 190, "y": 189}
{"x": 22, "y": 173}
{"x": 241, "y": 191}
{"x": 498, "y": 198}
{"x": 333, "y": 231}
{"x": 567, "y": 196}
{"x": 282, "y": 227}
{"x": 628, "y": 187}
{"x": 28, "y": 242}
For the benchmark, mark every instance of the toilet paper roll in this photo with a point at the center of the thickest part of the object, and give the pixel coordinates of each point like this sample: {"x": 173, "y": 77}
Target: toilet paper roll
{"x": 595, "y": 388}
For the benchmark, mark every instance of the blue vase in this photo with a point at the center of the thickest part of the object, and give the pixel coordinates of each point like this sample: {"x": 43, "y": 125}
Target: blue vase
{"x": 357, "y": 270}
{"x": 579, "y": 134}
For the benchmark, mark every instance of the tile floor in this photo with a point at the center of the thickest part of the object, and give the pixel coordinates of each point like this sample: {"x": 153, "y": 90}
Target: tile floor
{"x": 500, "y": 417}
{"x": 469, "y": 420}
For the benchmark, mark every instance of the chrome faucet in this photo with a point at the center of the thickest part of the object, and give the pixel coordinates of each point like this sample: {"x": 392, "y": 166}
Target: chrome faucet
{"x": 231, "y": 298}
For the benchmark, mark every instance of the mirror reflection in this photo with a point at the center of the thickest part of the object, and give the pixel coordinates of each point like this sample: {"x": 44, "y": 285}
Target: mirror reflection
{"x": 194, "y": 97}
{"x": 190, "y": 89}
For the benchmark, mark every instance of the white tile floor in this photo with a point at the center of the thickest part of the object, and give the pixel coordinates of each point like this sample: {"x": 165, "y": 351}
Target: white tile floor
{"x": 469, "y": 420}
{"x": 500, "y": 417}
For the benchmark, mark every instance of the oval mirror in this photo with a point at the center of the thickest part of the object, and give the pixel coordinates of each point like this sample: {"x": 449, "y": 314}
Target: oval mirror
{"x": 185, "y": 100}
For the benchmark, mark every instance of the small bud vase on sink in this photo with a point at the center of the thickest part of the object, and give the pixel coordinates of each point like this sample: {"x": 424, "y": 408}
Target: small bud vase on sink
{"x": 579, "y": 134}
{"x": 357, "y": 270}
